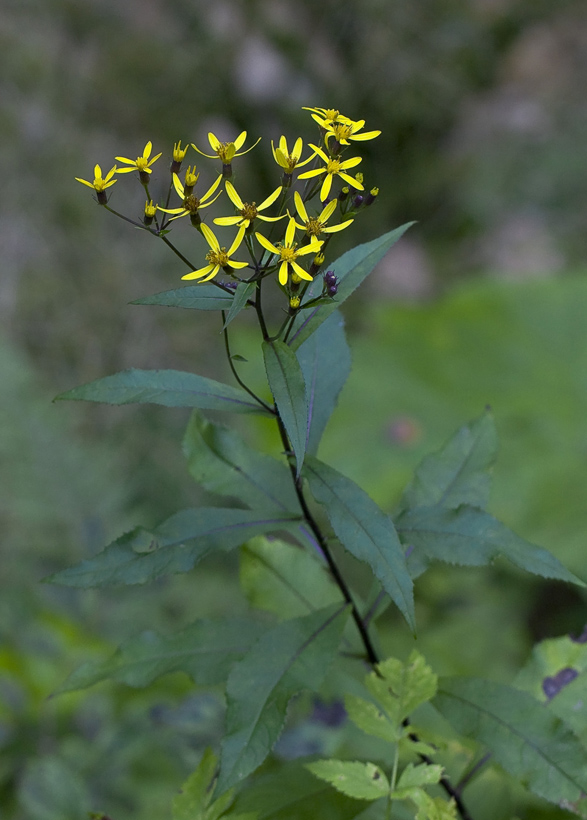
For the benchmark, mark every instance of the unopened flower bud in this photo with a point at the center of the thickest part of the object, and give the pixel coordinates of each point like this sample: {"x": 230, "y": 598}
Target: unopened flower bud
{"x": 190, "y": 180}
{"x": 358, "y": 201}
{"x": 343, "y": 194}
{"x": 150, "y": 211}
{"x": 294, "y": 302}
{"x": 359, "y": 177}
{"x": 317, "y": 263}
{"x": 330, "y": 283}
{"x": 178, "y": 157}
{"x": 371, "y": 196}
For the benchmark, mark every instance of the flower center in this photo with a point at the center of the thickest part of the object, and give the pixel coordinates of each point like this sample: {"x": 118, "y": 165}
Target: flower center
{"x": 342, "y": 131}
{"x": 226, "y": 152}
{"x": 218, "y": 257}
{"x": 191, "y": 203}
{"x": 249, "y": 211}
{"x": 333, "y": 166}
{"x": 291, "y": 161}
{"x": 313, "y": 227}
{"x": 287, "y": 254}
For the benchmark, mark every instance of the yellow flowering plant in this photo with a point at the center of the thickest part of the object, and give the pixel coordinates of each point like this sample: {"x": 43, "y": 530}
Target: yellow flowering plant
{"x": 293, "y": 518}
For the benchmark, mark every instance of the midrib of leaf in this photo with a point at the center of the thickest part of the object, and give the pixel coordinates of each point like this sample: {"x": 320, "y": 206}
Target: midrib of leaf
{"x": 286, "y": 583}
{"x": 513, "y": 731}
{"x": 456, "y": 476}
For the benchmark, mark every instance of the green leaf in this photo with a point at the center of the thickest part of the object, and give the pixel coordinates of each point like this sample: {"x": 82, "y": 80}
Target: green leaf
{"x": 363, "y": 781}
{"x": 205, "y": 651}
{"x": 221, "y": 462}
{"x": 174, "y": 546}
{"x": 294, "y": 655}
{"x": 371, "y": 719}
{"x": 459, "y": 472}
{"x": 351, "y": 269}
{"x": 198, "y": 297}
{"x": 171, "y": 388}
{"x": 470, "y": 537}
{"x": 526, "y": 740}
{"x": 289, "y": 391}
{"x": 431, "y": 808}
{"x": 399, "y": 688}
{"x": 241, "y": 296}
{"x": 196, "y": 793}
{"x": 284, "y": 578}
{"x": 364, "y": 530}
{"x": 325, "y": 360}
{"x": 423, "y": 774}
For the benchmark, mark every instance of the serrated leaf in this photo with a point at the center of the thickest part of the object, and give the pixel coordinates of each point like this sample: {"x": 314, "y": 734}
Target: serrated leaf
{"x": 352, "y": 268}
{"x": 471, "y": 537}
{"x": 284, "y": 579}
{"x": 194, "y": 297}
{"x": 458, "y": 473}
{"x": 364, "y": 530}
{"x": 205, "y": 651}
{"x": 363, "y": 781}
{"x": 400, "y": 687}
{"x": 174, "y": 546}
{"x": 195, "y": 794}
{"x": 295, "y": 655}
{"x": 325, "y": 360}
{"x": 241, "y": 297}
{"x": 171, "y": 388}
{"x": 423, "y": 774}
{"x": 221, "y": 462}
{"x": 525, "y": 739}
{"x": 287, "y": 385}
{"x": 548, "y": 658}
{"x": 371, "y": 719}
{"x": 431, "y": 808}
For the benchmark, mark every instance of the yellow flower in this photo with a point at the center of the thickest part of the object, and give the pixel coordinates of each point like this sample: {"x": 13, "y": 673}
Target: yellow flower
{"x": 288, "y": 252}
{"x": 316, "y": 225}
{"x": 100, "y": 184}
{"x": 191, "y": 203}
{"x": 286, "y": 160}
{"x": 217, "y": 257}
{"x": 333, "y": 167}
{"x": 142, "y": 164}
{"x": 226, "y": 151}
{"x": 247, "y": 211}
{"x": 326, "y": 116}
{"x": 345, "y": 131}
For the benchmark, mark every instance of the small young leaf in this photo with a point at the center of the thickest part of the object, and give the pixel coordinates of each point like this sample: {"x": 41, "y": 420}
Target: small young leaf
{"x": 171, "y": 388}
{"x": 352, "y": 268}
{"x": 363, "y": 781}
{"x": 285, "y": 579}
{"x": 423, "y": 774}
{"x": 400, "y": 687}
{"x": 198, "y": 297}
{"x": 458, "y": 473}
{"x": 221, "y": 462}
{"x": 364, "y": 530}
{"x": 243, "y": 291}
{"x": 325, "y": 360}
{"x": 372, "y": 720}
{"x": 430, "y": 808}
{"x": 470, "y": 537}
{"x": 205, "y": 651}
{"x": 294, "y": 655}
{"x": 289, "y": 391}
{"x": 195, "y": 794}
{"x": 176, "y": 545}
{"x": 526, "y": 740}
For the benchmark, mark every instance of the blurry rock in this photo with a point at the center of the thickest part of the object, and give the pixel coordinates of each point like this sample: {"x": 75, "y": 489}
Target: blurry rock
{"x": 520, "y": 246}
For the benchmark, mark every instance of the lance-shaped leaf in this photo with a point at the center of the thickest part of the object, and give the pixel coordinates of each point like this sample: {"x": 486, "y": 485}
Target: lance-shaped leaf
{"x": 242, "y": 294}
{"x": 295, "y": 655}
{"x": 364, "y": 530}
{"x": 352, "y": 268}
{"x": 174, "y": 546}
{"x": 526, "y": 740}
{"x": 205, "y": 651}
{"x": 286, "y": 381}
{"x": 196, "y": 798}
{"x": 171, "y": 388}
{"x": 195, "y": 297}
{"x": 325, "y": 360}
{"x": 284, "y": 578}
{"x": 363, "y": 781}
{"x": 470, "y": 537}
{"x": 458, "y": 473}
{"x": 221, "y": 462}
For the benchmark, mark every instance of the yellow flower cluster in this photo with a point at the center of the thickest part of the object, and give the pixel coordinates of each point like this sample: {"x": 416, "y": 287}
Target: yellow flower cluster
{"x": 266, "y": 256}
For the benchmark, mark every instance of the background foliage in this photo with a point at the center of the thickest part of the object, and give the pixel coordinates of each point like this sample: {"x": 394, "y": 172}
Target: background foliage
{"x": 482, "y": 111}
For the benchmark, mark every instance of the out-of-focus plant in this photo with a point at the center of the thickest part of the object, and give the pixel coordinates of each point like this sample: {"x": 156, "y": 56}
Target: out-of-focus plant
{"x": 413, "y": 744}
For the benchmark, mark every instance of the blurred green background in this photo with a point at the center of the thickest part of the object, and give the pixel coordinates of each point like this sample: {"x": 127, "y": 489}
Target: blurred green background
{"x": 483, "y": 114}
